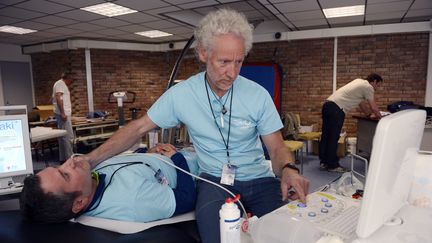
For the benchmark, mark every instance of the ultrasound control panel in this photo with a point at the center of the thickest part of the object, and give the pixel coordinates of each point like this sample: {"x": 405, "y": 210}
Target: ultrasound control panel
{"x": 319, "y": 207}
{"x": 329, "y": 212}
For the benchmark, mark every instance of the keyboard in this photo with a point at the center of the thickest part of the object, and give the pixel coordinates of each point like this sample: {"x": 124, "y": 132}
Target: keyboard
{"x": 344, "y": 225}
{"x": 330, "y": 213}
{"x": 10, "y": 190}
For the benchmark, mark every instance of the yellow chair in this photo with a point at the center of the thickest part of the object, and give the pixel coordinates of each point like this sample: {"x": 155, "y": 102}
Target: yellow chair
{"x": 307, "y": 136}
{"x": 296, "y": 148}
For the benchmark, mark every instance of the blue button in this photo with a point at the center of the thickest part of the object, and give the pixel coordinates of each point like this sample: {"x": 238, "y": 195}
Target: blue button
{"x": 324, "y": 210}
{"x": 311, "y": 214}
{"x": 324, "y": 200}
{"x": 301, "y": 205}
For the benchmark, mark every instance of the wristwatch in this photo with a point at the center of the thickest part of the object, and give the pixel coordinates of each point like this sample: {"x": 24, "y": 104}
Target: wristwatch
{"x": 291, "y": 166}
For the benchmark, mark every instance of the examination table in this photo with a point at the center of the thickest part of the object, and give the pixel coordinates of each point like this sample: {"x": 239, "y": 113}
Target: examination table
{"x": 13, "y": 228}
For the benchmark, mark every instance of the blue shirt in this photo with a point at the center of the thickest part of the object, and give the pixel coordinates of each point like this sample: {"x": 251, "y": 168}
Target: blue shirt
{"x": 253, "y": 114}
{"x": 134, "y": 194}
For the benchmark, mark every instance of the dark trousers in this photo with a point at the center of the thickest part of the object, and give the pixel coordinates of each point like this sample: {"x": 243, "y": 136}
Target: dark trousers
{"x": 332, "y": 120}
{"x": 185, "y": 192}
{"x": 259, "y": 196}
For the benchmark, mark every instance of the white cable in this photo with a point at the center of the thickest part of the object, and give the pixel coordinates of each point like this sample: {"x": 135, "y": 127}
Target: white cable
{"x": 200, "y": 178}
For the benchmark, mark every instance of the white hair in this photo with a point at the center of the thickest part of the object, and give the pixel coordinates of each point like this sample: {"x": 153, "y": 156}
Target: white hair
{"x": 223, "y": 21}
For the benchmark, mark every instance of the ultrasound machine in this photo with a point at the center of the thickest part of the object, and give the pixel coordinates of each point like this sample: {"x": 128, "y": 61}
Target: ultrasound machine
{"x": 15, "y": 153}
{"x": 382, "y": 215}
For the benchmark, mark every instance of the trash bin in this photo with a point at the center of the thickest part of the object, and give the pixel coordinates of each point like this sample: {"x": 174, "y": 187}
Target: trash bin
{"x": 351, "y": 145}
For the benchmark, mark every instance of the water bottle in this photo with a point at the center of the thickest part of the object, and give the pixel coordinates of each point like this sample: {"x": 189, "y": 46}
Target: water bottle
{"x": 230, "y": 221}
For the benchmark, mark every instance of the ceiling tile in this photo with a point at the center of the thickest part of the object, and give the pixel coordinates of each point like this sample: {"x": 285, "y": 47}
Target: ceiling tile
{"x": 80, "y": 15}
{"x": 297, "y": 6}
{"x": 78, "y": 3}
{"x": 179, "y": 30}
{"x": 110, "y": 22}
{"x": 158, "y": 11}
{"x": 110, "y": 31}
{"x": 340, "y": 3}
{"x": 178, "y": 2}
{"x": 43, "y": 6}
{"x": 142, "y": 4}
{"x": 55, "y": 20}
{"x": 33, "y": 25}
{"x": 241, "y": 6}
{"x": 63, "y": 31}
{"x": 19, "y": 13}
{"x": 310, "y": 22}
{"x": 425, "y": 13}
{"x": 134, "y": 28}
{"x": 422, "y": 4}
{"x": 137, "y": 17}
{"x": 11, "y": 2}
{"x": 349, "y": 20}
{"x": 387, "y": 7}
{"x": 383, "y": 16}
{"x": 85, "y": 27}
{"x": 5, "y": 20}
{"x": 198, "y": 4}
{"x": 189, "y": 17}
{"x": 162, "y": 24}
{"x": 315, "y": 14}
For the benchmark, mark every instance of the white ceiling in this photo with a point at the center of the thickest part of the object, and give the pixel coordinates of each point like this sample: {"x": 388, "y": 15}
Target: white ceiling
{"x": 62, "y": 19}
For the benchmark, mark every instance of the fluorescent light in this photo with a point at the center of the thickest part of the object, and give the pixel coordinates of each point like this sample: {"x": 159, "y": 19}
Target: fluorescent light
{"x": 153, "y": 33}
{"x": 109, "y": 9}
{"x": 15, "y": 30}
{"x": 344, "y": 11}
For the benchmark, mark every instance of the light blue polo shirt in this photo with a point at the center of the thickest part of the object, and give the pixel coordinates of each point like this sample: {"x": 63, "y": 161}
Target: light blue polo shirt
{"x": 253, "y": 114}
{"x": 134, "y": 194}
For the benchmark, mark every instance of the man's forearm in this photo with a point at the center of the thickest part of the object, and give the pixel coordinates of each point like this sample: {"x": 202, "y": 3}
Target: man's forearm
{"x": 123, "y": 139}
{"x": 60, "y": 104}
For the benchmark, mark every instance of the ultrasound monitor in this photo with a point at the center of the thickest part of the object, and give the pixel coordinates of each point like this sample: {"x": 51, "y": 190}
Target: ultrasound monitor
{"x": 15, "y": 153}
{"x": 395, "y": 145}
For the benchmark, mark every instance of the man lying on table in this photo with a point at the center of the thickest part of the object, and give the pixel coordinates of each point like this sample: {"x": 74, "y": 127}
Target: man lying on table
{"x": 130, "y": 187}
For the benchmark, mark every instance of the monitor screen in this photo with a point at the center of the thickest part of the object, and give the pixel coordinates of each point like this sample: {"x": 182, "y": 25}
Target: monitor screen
{"x": 394, "y": 151}
{"x": 15, "y": 153}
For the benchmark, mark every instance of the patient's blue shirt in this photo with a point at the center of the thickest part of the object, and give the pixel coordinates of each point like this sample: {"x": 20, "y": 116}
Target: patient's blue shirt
{"x": 133, "y": 193}
{"x": 253, "y": 114}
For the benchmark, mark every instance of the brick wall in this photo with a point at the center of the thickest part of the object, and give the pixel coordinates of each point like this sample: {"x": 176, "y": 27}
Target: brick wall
{"x": 401, "y": 59}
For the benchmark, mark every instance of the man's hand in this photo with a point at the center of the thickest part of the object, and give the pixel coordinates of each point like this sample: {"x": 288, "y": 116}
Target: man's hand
{"x": 64, "y": 116}
{"x": 164, "y": 149}
{"x": 292, "y": 180}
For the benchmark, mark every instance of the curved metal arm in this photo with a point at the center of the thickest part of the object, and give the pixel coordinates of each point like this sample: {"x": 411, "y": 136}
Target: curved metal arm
{"x": 178, "y": 62}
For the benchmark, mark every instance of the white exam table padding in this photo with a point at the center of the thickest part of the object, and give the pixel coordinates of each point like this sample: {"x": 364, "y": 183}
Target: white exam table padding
{"x": 126, "y": 227}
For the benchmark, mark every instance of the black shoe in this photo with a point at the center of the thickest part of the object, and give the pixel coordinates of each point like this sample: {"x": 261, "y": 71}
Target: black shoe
{"x": 338, "y": 169}
{"x": 323, "y": 166}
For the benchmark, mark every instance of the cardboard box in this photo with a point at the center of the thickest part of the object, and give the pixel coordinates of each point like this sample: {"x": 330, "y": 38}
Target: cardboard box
{"x": 341, "y": 150}
{"x": 44, "y": 111}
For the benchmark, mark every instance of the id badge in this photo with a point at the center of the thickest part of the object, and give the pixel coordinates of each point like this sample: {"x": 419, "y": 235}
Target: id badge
{"x": 160, "y": 177}
{"x": 228, "y": 174}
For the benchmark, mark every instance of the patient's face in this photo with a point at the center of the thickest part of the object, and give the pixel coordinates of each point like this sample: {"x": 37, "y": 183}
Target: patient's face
{"x": 69, "y": 177}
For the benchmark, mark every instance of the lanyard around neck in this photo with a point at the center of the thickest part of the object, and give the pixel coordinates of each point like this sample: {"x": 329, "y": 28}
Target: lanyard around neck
{"x": 226, "y": 143}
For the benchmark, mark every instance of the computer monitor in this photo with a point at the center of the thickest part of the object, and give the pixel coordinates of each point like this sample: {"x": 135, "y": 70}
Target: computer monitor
{"x": 395, "y": 145}
{"x": 15, "y": 153}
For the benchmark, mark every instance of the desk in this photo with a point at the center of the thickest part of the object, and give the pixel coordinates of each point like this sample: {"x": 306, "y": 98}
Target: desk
{"x": 93, "y": 131}
{"x": 38, "y": 134}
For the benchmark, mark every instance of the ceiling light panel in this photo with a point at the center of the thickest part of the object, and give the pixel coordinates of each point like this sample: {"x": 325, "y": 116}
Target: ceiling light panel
{"x": 344, "y": 11}
{"x": 153, "y": 34}
{"x": 15, "y": 30}
{"x": 109, "y": 9}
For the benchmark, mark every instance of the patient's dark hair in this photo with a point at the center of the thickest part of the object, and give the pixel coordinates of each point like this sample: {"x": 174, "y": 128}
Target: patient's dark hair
{"x": 374, "y": 77}
{"x": 38, "y": 206}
